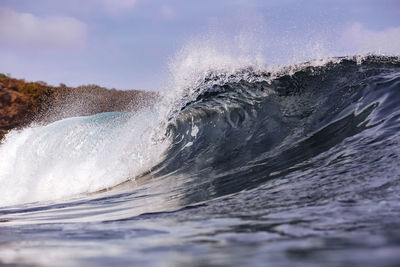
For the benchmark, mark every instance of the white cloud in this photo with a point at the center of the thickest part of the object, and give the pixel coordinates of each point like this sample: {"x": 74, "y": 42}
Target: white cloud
{"x": 118, "y": 6}
{"x": 27, "y": 30}
{"x": 168, "y": 13}
{"x": 362, "y": 40}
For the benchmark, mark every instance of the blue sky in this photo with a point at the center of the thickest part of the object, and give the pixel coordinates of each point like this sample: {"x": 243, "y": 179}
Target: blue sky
{"x": 128, "y": 44}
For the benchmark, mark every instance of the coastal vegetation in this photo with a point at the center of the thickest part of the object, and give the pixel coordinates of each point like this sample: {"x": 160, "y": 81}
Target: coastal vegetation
{"x": 22, "y": 102}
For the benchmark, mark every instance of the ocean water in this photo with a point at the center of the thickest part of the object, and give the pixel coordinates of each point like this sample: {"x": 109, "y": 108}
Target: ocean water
{"x": 291, "y": 166}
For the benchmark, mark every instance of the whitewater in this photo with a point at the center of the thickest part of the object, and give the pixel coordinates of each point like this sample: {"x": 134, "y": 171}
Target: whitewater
{"x": 240, "y": 163}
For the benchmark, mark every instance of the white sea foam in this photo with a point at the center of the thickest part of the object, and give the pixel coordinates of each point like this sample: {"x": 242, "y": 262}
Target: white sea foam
{"x": 77, "y": 155}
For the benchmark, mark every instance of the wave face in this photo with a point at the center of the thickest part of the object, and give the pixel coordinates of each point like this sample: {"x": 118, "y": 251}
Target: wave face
{"x": 238, "y": 131}
{"x": 290, "y": 166}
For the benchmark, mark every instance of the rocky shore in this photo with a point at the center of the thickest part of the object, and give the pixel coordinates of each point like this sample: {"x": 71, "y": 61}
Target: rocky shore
{"x": 22, "y": 103}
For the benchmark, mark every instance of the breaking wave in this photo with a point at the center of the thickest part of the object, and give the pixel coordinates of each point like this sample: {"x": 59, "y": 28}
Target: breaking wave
{"x": 221, "y": 133}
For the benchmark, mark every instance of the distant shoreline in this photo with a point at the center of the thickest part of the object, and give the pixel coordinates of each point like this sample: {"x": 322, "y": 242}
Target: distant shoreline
{"x": 22, "y": 102}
